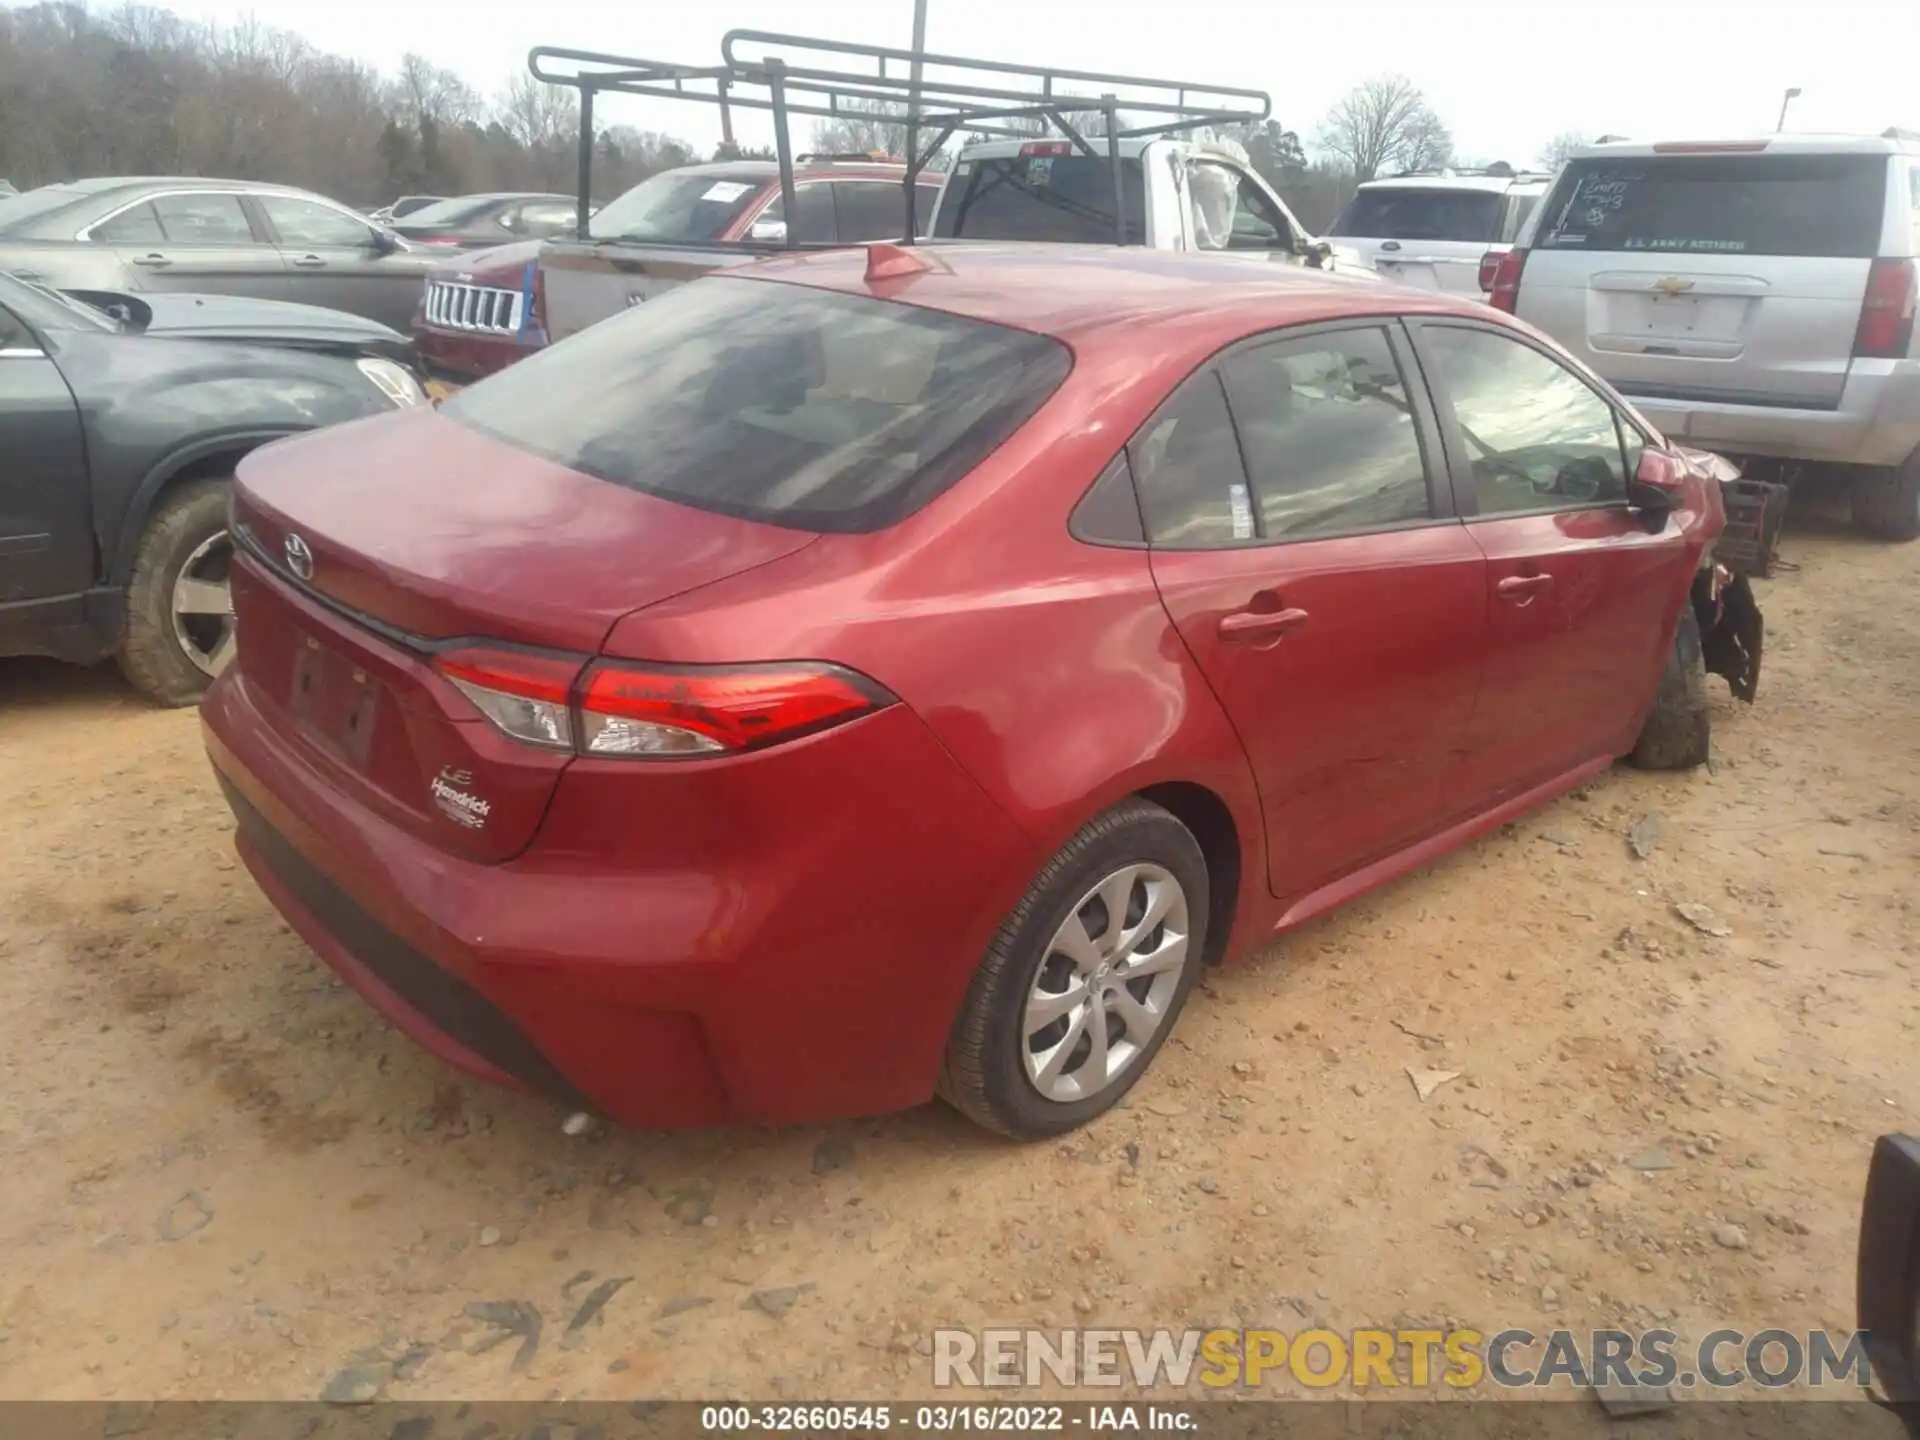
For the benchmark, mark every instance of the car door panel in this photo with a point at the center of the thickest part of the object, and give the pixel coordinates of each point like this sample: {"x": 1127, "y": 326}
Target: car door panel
{"x": 46, "y": 549}
{"x": 1581, "y": 594}
{"x": 1579, "y": 602}
{"x": 338, "y": 261}
{"x": 1341, "y": 634}
{"x": 1351, "y": 708}
{"x": 207, "y": 244}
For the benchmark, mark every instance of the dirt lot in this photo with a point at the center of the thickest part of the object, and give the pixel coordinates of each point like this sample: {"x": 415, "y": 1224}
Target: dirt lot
{"x": 226, "y": 1177}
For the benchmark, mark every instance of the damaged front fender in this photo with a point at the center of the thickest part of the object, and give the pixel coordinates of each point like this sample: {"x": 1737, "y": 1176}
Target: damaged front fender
{"x": 1732, "y": 630}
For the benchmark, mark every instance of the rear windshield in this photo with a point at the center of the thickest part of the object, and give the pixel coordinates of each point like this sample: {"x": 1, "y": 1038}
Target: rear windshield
{"x": 1802, "y": 205}
{"x": 675, "y": 207}
{"x": 1040, "y": 197}
{"x": 773, "y": 402}
{"x": 1422, "y": 213}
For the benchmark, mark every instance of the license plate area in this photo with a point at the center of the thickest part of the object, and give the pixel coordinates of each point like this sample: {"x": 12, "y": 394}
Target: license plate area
{"x": 336, "y": 703}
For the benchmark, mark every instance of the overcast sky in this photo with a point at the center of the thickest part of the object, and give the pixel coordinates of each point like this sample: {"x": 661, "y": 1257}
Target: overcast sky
{"x": 1504, "y": 76}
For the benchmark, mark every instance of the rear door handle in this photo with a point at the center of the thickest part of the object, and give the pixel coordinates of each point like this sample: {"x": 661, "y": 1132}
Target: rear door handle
{"x": 1260, "y": 624}
{"x": 152, "y": 262}
{"x": 310, "y": 262}
{"x": 1519, "y": 589}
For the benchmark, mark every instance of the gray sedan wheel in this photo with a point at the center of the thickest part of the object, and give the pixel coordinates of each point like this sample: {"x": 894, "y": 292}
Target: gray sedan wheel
{"x": 179, "y": 625}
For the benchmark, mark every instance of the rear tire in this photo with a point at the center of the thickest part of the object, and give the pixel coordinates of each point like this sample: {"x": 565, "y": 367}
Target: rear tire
{"x": 1677, "y": 733}
{"x": 1886, "y": 503}
{"x": 159, "y": 645}
{"x": 997, "y": 1056}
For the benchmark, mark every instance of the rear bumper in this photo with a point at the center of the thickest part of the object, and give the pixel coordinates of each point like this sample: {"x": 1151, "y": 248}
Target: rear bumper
{"x": 1876, "y": 423}
{"x": 615, "y": 965}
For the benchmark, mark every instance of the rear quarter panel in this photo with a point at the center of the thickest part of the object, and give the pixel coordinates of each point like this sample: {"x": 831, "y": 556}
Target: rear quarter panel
{"x": 1046, "y": 667}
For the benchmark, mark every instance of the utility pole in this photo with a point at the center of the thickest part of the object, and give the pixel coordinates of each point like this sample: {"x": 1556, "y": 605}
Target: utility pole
{"x": 911, "y": 189}
{"x": 1791, "y": 96}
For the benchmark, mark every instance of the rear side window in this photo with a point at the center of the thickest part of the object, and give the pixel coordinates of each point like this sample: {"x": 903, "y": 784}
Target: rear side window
{"x": 773, "y": 402}
{"x": 1787, "y": 205}
{"x": 208, "y": 219}
{"x": 1186, "y": 464}
{"x": 1418, "y": 212}
{"x": 1040, "y": 197}
{"x": 138, "y": 226}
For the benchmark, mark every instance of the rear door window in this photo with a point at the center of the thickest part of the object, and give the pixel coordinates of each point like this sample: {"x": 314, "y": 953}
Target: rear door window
{"x": 1066, "y": 198}
{"x": 774, "y": 402}
{"x": 1786, "y": 205}
{"x": 210, "y": 219}
{"x": 1329, "y": 435}
{"x": 1420, "y": 212}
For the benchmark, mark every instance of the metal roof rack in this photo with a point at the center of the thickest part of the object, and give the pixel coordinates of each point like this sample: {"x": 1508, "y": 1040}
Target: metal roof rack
{"x": 791, "y": 75}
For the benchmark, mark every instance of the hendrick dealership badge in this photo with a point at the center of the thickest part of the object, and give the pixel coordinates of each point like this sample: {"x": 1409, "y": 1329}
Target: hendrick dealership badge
{"x": 458, "y": 804}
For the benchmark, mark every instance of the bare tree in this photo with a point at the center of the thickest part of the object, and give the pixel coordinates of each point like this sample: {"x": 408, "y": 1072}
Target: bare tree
{"x": 1556, "y": 151}
{"x": 863, "y": 126}
{"x": 1385, "y": 123}
{"x": 140, "y": 91}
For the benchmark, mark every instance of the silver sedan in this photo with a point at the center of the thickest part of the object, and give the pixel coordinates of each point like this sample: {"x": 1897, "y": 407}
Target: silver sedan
{"x": 222, "y": 237}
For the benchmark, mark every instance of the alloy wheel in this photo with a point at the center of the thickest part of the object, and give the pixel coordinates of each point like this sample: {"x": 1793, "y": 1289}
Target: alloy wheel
{"x": 1106, "y": 983}
{"x": 203, "y": 605}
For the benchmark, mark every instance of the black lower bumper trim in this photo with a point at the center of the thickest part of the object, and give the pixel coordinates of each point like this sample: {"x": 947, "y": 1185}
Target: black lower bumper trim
{"x": 454, "y": 1007}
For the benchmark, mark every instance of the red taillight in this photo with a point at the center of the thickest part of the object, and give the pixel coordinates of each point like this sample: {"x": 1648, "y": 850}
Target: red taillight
{"x": 526, "y": 694}
{"x": 1047, "y": 147}
{"x": 1886, "y": 315}
{"x": 622, "y": 707}
{"x": 1489, "y": 267}
{"x": 633, "y": 709}
{"x": 1503, "y": 286}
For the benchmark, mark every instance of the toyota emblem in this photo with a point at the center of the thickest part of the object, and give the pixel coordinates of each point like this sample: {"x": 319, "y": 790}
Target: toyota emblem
{"x": 299, "y": 557}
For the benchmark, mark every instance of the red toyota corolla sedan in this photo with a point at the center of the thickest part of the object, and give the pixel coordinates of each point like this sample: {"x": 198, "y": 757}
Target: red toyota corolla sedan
{"x": 888, "y": 673}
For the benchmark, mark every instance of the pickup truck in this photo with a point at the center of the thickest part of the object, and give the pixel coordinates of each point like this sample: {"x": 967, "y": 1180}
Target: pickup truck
{"x": 1178, "y": 195}
{"x": 482, "y": 311}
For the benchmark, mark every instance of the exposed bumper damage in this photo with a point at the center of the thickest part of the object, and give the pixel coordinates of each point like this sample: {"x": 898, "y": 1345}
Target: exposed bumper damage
{"x": 1731, "y": 628}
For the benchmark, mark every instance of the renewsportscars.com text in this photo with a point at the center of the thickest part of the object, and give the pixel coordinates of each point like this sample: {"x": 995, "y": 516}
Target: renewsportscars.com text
{"x": 1458, "y": 1359}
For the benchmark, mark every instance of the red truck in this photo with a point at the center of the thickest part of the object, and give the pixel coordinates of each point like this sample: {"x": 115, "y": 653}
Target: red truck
{"x": 483, "y": 310}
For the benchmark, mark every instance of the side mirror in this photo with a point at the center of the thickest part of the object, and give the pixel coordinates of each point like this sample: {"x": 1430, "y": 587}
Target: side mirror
{"x": 1656, "y": 488}
{"x": 1319, "y": 254}
{"x": 1887, "y": 1284}
{"x": 385, "y": 242}
{"x": 773, "y": 231}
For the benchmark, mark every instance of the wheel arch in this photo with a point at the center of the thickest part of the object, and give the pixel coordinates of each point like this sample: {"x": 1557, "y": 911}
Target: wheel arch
{"x": 200, "y": 459}
{"x": 1211, "y": 822}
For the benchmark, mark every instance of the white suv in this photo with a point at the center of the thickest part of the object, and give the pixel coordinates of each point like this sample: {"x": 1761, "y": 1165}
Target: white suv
{"x": 1433, "y": 228}
{"x": 1754, "y": 297}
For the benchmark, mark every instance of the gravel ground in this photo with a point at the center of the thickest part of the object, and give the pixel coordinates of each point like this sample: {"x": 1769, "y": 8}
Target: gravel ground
{"x": 226, "y": 1177}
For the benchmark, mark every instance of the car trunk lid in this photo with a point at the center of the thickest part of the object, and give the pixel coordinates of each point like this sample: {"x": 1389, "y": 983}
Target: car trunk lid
{"x": 435, "y": 530}
{"x": 373, "y": 554}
